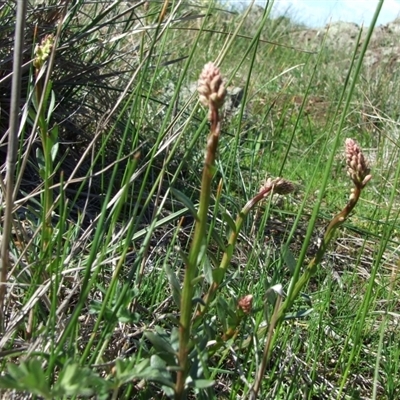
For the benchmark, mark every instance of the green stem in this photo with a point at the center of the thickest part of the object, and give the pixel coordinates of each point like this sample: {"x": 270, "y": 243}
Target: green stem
{"x": 191, "y": 267}
{"x": 226, "y": 258}
{"x": 311, "y": 269}
{"x": 303, "y": 280}
{"x": 47, "y": 197}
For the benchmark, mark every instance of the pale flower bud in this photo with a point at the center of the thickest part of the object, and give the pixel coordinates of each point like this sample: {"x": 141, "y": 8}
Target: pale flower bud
{"x": 211, "y": 87}
{"x": 246, "y": 303}
{"x": 357, "y": 166}
{"x": 42, "y": 51}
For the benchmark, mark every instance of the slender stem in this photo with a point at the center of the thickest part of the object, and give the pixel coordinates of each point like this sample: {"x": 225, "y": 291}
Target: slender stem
{"x": 337, "y": 221}
{"x": 226, "y": 258}
{"x": 281, "y": 308}
{"x": 267, "y": 350}
{"x": 211, "y": 94}
{"x": 312, "y": 266}
{"x": 191, "y": 267}
{"x": 12, "y": 152}
{"x": 48, "y": 137}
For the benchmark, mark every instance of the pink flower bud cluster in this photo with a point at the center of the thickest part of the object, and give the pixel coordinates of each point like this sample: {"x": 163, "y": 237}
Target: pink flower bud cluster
{"x": 211, "y": 87}
{"x": 246, "y": 303}
{"x": 357, "y": 167}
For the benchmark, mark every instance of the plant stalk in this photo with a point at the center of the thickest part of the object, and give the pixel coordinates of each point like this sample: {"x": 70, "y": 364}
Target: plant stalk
{"x": 12, "y": 153}
{"x": 191, "y": 267}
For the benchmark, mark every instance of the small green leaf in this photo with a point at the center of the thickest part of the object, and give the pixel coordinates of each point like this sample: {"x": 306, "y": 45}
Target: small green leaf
{"x": 174, "y": 285}
{"x": 220, "y": 242}
{"x": 51, "y": 104}
{"x": 17, "y": 372}
{"x": 290, "y": 260}
{"x": 7, "y": 382}
{"x": 229, "y": 220}
{"x": 157, "y": 362}
{"x": 159, "y": 342}
{"x": 218, "y": 275}
{"x": 96, "y": 307}
{"x": 54, "y": 151}
{"x": 184, "y": 257}
{"x": 201, "y": 383}
{"x": 75, "y": 380}
{"x": 202, "y": 252}
{"x": 40, "y": 161}
{"x": 222, "y": 311}
{"x": 169, "y": 391}
{"x": 213, "y": 258}
{"x": 307, "y": 298}
{"x": 208, "y": 270}
{"x": 298, "y": 314}
{"x": 198, "y": 279}
{"x": 156, "y": 375}
{"x": 126, "y": 317}
{"x": 47, "y": 94}
{"x": 28, "y": 376}
{"x": 125, "y": 372}
{"x": 175, "y": 338}
{"x": 54, "y": 134}
{"x": 185, "y": 201}
{"x": 68, "y": 373}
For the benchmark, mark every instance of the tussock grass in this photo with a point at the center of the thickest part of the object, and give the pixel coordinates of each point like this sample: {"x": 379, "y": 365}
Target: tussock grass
{"x": 108, "y": 183}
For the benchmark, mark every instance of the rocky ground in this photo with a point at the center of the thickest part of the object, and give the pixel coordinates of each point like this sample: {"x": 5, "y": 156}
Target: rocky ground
{"x": 383, "y": 47}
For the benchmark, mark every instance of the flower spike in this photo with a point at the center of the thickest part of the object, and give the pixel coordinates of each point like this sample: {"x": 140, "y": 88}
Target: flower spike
{"x": 357, "y": 167}
{"x": 211, "y": 87}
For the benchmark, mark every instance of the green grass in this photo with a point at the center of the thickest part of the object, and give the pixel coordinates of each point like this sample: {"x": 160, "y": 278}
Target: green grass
{"x": 102, "y": 227}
